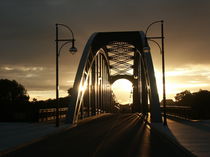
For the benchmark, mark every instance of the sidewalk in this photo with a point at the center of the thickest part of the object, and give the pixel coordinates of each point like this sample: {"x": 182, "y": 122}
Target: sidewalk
{"x": 17, "y": 135}
{"x": 193, "y": 136}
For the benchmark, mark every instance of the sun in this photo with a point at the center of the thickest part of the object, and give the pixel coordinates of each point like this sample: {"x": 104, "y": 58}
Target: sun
{"x": 122, "y": 89}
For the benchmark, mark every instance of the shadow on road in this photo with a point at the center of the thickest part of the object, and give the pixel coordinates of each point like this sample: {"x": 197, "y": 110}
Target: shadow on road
{"x": 116, "y": 135}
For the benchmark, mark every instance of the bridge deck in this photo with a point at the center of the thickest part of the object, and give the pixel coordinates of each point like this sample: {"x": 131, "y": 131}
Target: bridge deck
{"x": 111, "y": 135}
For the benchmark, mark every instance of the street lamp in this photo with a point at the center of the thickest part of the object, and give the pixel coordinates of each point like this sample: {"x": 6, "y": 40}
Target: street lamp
{"x": 73, "y": 50}
{"x": 163, "y": 62}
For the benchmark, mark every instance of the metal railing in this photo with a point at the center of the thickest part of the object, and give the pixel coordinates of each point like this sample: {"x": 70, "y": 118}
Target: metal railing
{"x": 185, "y": 112}
{"x": 49, "y": 114}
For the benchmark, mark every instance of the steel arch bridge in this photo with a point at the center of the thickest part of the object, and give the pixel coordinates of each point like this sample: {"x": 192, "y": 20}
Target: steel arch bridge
{"x": 107, "y": 57}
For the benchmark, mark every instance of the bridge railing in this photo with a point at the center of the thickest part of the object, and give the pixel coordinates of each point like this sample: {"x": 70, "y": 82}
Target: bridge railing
{"x": 49, "y": 114}
{"x": 185, "y": 112}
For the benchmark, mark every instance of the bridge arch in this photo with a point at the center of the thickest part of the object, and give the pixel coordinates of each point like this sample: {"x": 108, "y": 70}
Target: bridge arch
{"x": 109, "y": 56}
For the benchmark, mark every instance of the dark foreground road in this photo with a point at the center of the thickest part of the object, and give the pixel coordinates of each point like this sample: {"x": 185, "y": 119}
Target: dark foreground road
{"x": 119, "y": 135}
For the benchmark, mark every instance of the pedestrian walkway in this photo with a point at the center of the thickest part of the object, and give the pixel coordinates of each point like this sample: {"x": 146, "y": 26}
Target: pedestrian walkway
{"x": 193, "y": 136}
{"x": 16, "y": 135}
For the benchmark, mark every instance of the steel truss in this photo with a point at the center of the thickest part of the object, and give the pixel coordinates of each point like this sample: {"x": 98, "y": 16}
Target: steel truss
{"x": 106, "y": 58}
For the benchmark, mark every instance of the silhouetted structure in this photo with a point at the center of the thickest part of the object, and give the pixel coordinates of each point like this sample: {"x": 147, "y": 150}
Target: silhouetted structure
{"x": 107, "y": 57}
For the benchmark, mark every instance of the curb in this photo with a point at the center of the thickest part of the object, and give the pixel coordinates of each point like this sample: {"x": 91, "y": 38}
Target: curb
{"x": 182, "y": 150}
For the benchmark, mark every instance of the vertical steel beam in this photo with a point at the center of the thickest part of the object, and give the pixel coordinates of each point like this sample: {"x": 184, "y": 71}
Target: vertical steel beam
{"x": 144, "y": 88}
{"x": 136, "y": 95}
{"x": 93, "y": 95}
{"x": 96, "y": 87}
{"x": 99, "y": 85}
{"x": 88, "y": 95}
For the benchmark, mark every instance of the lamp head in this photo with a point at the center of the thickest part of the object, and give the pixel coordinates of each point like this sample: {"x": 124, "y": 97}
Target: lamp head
{"x": 73, "y": 49}
{"x": 146, "y": 49}
{"x": 135, "y": 77}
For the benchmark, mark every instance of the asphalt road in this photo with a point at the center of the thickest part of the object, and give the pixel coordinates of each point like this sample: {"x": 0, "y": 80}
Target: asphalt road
{"x": 119, "y": 135}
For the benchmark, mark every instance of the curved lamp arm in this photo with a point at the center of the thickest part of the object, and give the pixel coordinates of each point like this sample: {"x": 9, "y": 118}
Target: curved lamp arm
{"x": 59, "y": 51}
{"x": 151, "y": 25}
{"x": 156, "y": 44}
{"x": 73, "y": 49}
{"x": 60, "y": 24}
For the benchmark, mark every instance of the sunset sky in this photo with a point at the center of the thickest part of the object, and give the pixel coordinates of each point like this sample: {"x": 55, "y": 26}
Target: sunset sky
{"x": 27, "y": 34}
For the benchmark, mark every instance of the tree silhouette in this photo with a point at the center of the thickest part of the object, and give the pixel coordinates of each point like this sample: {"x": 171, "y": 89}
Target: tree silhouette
{"x": 13, "y": 100}
{"x": 12, "y": 91}
{"x": 180, "y": 96}
{"x": 201, "y": 103}
{"x": 198, "y": 101}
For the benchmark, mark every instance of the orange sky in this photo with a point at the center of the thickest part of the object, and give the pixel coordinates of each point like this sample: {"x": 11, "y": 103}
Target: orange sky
{"x": 27, "y": 34}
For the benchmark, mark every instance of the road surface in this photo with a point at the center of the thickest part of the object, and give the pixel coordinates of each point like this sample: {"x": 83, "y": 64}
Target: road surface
{"x": 117, "y": 135}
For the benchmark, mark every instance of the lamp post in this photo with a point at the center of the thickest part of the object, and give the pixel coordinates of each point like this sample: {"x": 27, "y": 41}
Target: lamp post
{"x": 163, "y": 62}
{"x": 73, "y": 50}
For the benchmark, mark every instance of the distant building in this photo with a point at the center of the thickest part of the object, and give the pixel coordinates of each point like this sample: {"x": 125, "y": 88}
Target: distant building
{"x": 169, "y": 102}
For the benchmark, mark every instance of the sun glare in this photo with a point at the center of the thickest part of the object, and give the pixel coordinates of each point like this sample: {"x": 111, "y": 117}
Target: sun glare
{"x": 82, "y": 88}
{"x": 190, "y": 78}
{"x": 122, "y": 89}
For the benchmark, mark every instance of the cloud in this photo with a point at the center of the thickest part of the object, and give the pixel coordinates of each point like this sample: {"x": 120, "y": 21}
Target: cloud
{"x": 188, "y": 77}
{"x": 7, "y": 68}
{"x": 21, "y": 68}
{"x": 190, "y": 70}
{"x": 29, "y": 76}
{"x": 27, "y": 34}
{"x": 45, "y": 94}
{"x": 37, "y": 78}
